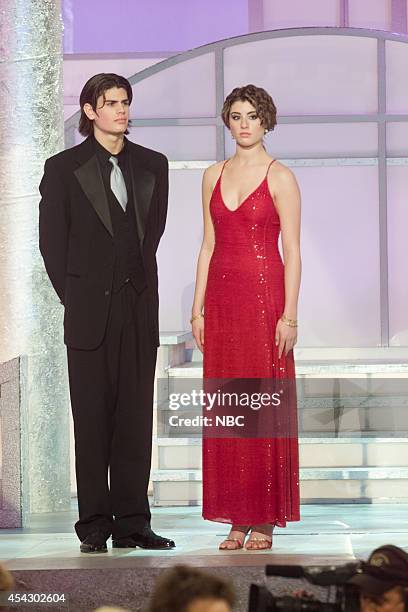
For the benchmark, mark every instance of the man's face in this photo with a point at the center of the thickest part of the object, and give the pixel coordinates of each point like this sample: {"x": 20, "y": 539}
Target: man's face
{"x": 112, "y": 112}
{"x": 390, "y": 601}
{"x": 209, "y": 605}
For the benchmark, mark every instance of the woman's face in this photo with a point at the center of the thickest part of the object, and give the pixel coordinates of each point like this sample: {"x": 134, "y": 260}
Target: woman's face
{"x": 245, "y": 125}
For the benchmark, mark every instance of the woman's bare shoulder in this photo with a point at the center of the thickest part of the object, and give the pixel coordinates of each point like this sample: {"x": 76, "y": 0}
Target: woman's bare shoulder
{"x": 281, "y": 180}
{"x": 281, "y": 171}
{"x": 214, "y": 169}
{"x": 281, "y": 176}
{"x": 212, "y": 173}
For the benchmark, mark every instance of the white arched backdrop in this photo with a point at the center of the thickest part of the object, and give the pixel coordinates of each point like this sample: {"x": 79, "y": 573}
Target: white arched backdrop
{"x": 342, "y": 98}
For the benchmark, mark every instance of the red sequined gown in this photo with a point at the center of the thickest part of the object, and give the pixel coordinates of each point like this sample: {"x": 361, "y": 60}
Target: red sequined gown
{"x": 247, "y": 481}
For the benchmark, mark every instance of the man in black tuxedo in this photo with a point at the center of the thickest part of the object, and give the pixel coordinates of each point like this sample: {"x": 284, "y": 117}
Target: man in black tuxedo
{"x": 102, "y": 213}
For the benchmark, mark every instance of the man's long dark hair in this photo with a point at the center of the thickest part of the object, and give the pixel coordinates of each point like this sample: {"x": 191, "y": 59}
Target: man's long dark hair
{"x": 95, "y": 87}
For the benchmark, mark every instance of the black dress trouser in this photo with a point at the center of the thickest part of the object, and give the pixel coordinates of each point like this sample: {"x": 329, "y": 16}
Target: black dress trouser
{"x": 112, "y": 397}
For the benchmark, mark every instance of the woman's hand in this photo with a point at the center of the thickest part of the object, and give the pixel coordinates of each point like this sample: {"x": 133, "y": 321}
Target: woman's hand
{"x": 197, "y": 327}
{"x": 285, "y": 337}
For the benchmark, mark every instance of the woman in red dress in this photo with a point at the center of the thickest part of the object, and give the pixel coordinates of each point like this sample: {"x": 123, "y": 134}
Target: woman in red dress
{"x": 249, "y": 298}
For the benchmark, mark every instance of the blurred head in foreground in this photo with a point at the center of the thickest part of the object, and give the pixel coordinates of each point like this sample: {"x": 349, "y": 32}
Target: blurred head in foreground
{"x": 187, "y": 589}
{"x": 6, "y": 579}
{"x": 383, "y": 580}
{"x": 111, "y": 609}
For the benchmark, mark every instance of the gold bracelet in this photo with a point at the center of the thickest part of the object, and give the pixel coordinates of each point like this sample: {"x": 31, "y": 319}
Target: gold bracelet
{"x": 197, "y": 317}
{"x": 290, "y": 322}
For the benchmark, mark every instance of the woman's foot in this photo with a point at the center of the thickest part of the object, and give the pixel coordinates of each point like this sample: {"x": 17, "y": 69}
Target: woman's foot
{"x": 260, "y": 538}
{"x": 236, "y": 538}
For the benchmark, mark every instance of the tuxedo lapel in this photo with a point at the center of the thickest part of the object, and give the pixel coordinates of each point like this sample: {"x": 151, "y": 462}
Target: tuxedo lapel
{"x": 90, "y": 178}
{"x": 143, "y": 182}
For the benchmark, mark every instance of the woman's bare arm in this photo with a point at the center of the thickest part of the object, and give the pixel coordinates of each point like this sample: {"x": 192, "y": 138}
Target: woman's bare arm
{"x": 205, "y": 255}
{"x": 287, "y": 200}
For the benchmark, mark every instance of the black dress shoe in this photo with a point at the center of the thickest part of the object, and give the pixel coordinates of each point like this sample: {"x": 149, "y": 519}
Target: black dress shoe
{"x": 144, "y": 539}
{"x": 94, "y": 543}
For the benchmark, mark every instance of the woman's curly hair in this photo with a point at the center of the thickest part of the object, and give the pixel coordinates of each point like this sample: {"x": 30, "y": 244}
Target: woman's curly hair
{"x": 260, "y": 100}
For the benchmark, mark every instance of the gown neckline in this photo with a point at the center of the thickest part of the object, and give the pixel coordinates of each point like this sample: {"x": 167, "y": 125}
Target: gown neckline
{"x": 234, "y": 210}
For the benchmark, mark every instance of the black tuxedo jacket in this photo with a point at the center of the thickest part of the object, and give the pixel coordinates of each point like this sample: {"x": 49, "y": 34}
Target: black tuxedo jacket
{"x": 76, "y": 235}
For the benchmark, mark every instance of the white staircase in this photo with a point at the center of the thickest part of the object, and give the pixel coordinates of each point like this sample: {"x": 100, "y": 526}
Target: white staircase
{"x": 353, "y": 450}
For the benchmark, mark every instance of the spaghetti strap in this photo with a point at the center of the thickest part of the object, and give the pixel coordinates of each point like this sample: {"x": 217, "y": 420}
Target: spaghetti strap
{"x": 220, "y": 175}
{"x": 222, "y": 169}
{"x": 267, "y": 171}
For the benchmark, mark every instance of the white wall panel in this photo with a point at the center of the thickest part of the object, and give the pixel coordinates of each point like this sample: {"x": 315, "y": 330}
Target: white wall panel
{"x": 78, "y": 137}
{"x": 375, "y": 14}
{"x": 178, "y": 251}
{"x": 78, "y": 69}
{"x": 196, "y": 142}
{"x": 309, "y": 74}
{"x": 397, "y": 138}
{"x": 339, "y": 303}
{"x": 319, "y": 140}
{"x": 69, "y": 110}
{"x": 183, "y": 90}
{"x": 339, "y": 298}
{"x": 397, "y": 82}
{"x": 398, "y": 254}
{"x": 298, "y": 13}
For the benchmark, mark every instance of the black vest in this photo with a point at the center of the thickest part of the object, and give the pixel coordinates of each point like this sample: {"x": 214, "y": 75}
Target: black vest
{"x": 128, "y": 256}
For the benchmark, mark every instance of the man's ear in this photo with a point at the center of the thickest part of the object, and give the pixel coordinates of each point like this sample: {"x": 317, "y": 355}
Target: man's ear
{"x": 89, "y": 111}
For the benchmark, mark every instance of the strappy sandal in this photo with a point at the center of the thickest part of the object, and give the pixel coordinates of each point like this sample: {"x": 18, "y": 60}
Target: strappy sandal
{"x": 264, "y": 539}
{"x": 238, "y": 541}
{"x": 250, "y": 540}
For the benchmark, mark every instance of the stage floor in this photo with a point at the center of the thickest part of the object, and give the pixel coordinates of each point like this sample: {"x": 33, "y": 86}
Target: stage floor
{"x": 326, "y": 533}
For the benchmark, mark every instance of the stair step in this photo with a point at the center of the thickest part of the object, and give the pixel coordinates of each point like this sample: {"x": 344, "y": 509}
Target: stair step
{"x": 190, "y": 441}
{"x": 189, "y": 369}
{"x": 349, "y": 468}
{"x": 337, "y": 368}
{"x": 321, "y": 473}
{"x": 185, "y": 453}
{"x": 392, "y": 355}
{"x": 324, "y": 407}
{"x": 322, "y": 485}
{"x": 174, "y": 337}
